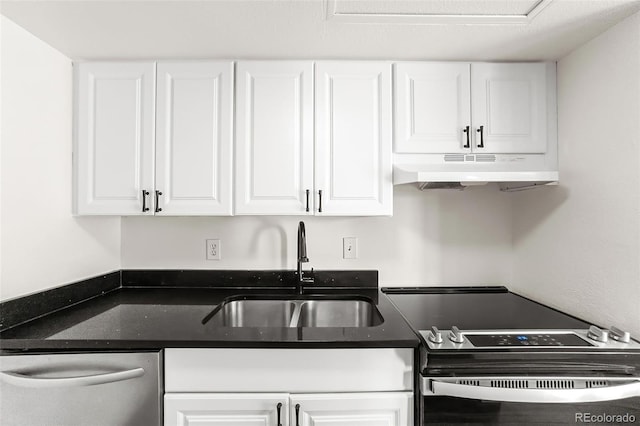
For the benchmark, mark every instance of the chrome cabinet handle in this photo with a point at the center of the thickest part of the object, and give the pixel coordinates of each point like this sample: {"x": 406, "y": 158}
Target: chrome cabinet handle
{"x": 320, "y": 199}
{"x": 279, "y": 407}
{"x": 468, "y": 144}
{"x": 144, "y": 201}
{"x": 158, "y": 194}
{"x": 307, "y": 209}
{"x": 24, "y": 380}
{"x": 481, "y": 131}
{"x": 297, "y": 414}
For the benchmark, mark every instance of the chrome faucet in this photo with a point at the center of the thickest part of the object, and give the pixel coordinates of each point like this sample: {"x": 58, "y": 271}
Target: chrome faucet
{"x": 302, "y": 258}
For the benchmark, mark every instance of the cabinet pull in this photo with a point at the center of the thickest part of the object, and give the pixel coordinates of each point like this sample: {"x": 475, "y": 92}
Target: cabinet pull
{"x": 481, "y": 131}
{"x": 468, "y": 144}
{"x": 320, "y": 203}
{"x": 297, "y": 414}
{"x": 158, "y": 194}
{"x": 279, "y": 407}
{"x": 307, "y": 209}
{"x": 144, "y": 201}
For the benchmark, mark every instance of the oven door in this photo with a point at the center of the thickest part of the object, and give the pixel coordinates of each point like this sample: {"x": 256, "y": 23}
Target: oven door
{"x": 530, "y": 400}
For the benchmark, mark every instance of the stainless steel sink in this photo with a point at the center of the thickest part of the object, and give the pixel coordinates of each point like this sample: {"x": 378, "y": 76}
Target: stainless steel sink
{"x": 297, "y": 313}
{"x": 256, "y": 313}
{"x": 339, "y": 313}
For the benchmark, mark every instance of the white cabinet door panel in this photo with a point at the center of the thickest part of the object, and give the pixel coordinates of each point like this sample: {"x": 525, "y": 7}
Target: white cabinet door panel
{"x": 365, "y": 409}
{"x": 509, "y": 101}
{"x": 114, "y": 136}
{"x": 274, "y": 144}
{"x": 194, "y": 138}
{"x": 201, "y": 409}
{"x": 432, "y": 106}
{"x": 353, "y": 138}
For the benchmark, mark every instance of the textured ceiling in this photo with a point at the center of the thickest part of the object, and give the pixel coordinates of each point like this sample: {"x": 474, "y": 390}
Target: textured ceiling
{"x": 304, "y": 29}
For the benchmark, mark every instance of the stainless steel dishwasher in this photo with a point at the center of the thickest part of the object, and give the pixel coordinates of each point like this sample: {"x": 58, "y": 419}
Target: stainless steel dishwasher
{"x": 81, "y": 389}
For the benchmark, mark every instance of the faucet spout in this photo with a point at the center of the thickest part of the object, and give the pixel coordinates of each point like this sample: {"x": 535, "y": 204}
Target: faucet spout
{"x": 302, "y": 257}
{"x": 302, "y": 244}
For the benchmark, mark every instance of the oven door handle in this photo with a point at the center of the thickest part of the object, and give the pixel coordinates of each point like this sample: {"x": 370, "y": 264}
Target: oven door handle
{"x": 629, "y": 389}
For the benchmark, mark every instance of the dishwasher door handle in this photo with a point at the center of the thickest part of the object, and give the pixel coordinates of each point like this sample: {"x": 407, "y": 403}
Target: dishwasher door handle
{"x": 23, "y": 380}
{"x": 629, "y": 389}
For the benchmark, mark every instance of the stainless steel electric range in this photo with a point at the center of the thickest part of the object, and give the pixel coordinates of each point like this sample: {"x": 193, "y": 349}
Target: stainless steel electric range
{"x": 490, "y": 356}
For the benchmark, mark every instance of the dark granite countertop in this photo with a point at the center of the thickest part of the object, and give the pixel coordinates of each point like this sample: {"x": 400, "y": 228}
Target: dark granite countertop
{"x": 155, "y": 313}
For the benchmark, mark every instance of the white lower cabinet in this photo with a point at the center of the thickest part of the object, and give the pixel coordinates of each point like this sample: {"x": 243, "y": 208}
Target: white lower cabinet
{"x": 269, "y": 409}
{"x": 289, "y": 387}
{"x": 237, "y": 409}
{"x": 358, "y": 409}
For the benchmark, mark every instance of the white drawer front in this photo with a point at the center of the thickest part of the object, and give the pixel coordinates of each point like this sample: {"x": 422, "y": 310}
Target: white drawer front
{"x": 288, "y": 370}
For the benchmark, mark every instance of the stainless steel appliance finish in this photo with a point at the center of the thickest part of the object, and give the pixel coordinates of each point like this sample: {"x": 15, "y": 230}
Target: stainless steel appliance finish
{"x": 533, "y": 389}
{"x": 492, "y": 357}
{"x": 524, "y": 339}
{"x": 81, "y": 389}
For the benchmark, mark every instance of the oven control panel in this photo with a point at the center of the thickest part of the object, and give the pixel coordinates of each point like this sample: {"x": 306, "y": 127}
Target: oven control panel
{"x": 593, "y": 338}
{"x": 525, "y": 339}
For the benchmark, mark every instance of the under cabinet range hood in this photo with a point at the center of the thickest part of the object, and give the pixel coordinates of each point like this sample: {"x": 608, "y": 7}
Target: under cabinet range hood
{"x": 460, "y": 176}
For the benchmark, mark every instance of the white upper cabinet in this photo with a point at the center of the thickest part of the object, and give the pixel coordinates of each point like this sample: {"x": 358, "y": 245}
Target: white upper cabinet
{"x": 433, "y": 107}
{"x": 498, "y": 108}
{"x": 194, "y": 138}
{"x": 274, "y": 140}
{"x": 129, "y": 163}
{"x": 114, "y": 137}
{"x": 509, "y": 107}
{"x": 353, "y": 152}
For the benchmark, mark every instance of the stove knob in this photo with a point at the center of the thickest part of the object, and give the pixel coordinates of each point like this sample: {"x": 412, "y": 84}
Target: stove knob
{"x": 597, "y": 334}
{"x": 455, "y": 335}
{"x": 435, "y": 336}
{"x": 619, "y": 335}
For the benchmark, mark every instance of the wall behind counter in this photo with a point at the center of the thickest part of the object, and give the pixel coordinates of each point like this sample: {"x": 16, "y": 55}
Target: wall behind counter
{"x": 436, "y": 237}
{"x": 577, "y": 246}
{"x": 42, "y": 244}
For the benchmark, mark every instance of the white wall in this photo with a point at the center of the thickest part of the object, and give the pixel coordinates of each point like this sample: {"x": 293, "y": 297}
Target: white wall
{"x": 577, "y": 247}
{"x": 42, "y": 245}
{"x": 437, "y": 237}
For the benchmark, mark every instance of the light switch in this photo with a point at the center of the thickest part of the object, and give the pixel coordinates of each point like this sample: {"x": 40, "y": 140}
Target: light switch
{"x": 350, "y": 248}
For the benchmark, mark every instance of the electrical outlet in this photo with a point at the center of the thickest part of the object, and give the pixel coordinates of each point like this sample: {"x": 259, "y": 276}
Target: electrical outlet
{"x": 213, "y": 249}
{"x": 350, "y": 248}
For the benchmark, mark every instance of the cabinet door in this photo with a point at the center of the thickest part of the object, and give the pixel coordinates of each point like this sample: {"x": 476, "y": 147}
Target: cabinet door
{"x": 360, "y": 409}
{"x": 353, "y": 138}
{"x": 114, "y": 131}
{"x": 274, "y": 143}
{"x": 433, "y": 107}
{"x": 193, "y": 139}
{"x": 509, "y": 101}
{"x": 207, "y": 409}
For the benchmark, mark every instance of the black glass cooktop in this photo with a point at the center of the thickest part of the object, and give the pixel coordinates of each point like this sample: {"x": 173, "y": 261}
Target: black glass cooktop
{"x": 485, "y": 308}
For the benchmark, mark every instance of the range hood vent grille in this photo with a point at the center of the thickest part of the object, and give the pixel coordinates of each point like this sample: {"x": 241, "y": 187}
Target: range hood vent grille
{"x": 453, "y": 157}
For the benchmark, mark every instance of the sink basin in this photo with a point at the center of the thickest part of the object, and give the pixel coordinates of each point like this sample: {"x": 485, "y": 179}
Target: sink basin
{"x": 256, "y": 313}
{"x": 297, "y": 313}
{"x": 339, "y": 313}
